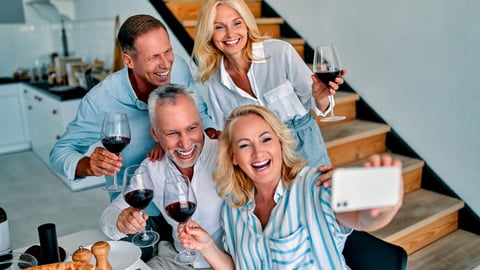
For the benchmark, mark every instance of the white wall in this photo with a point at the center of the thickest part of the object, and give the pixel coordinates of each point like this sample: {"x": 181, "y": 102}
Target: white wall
{"x": 28, "y": 42}
{"x": 93, "y": 9}
{"x": 416, "y": 63}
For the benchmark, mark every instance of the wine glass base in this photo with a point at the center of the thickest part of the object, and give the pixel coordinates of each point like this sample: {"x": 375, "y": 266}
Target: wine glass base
{"x": 113, "y": 188}
{"x": 187, "y": 257}
{"x": 332, "y": 118}
{"x": 140, "y": 240}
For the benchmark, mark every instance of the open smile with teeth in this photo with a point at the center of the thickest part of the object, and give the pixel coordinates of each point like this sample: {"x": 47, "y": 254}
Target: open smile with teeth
{"x": 162, "y": 74}
{"x": 232, "y": 42}
{"x": 261, "y": 165}
{"x": 185, "y": 155}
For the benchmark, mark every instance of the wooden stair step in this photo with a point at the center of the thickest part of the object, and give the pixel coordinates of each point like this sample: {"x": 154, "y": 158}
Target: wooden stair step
{"x": 267, "y": 26}
{"x": 298, "y": 44}
{"x": 424, "y": 217}
{"x": 189, "y": 9}
{"x": 353, "y": 140}
{"x": 458, "y": 250}
{"x": 411, "y": 171}
{"x": 345, "y": 104}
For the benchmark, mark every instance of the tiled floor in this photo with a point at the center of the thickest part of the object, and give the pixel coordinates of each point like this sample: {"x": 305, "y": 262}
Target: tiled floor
{"x": 33, "y": 195}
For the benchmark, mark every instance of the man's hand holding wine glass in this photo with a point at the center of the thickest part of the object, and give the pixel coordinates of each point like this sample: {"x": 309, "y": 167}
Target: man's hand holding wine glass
{"x": 131, "y": 221}
{"x": 104, "y": 162}
{"x": 101, "y": 162}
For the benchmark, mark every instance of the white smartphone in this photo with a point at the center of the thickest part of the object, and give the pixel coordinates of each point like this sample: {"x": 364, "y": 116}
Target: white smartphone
{"x": 360, "y": 188}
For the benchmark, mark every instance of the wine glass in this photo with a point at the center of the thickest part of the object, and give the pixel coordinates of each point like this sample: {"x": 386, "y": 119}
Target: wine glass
{"x": 327, "y": 66}
{"x": 115, "y": 137}
{"x": 17, "y": 261}
{"x": 138, "y": 193}
{"x": 180, "y": 203}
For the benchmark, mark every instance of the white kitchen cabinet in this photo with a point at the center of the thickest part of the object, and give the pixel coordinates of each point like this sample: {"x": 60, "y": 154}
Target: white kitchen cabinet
{"x": 47, "y": 120}
{"x": 14, "y": 136}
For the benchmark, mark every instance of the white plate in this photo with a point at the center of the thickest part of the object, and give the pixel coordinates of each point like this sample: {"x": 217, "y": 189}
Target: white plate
{"x": 122, "y": 254}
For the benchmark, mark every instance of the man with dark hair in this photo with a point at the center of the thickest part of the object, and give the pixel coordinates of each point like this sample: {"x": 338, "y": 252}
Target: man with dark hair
{"x": 149, "y": 63}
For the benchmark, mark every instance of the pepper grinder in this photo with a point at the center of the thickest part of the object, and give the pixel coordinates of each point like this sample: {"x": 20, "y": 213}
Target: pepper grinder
{"x": 82, "y": 255}
{"x": 101, "y": 249}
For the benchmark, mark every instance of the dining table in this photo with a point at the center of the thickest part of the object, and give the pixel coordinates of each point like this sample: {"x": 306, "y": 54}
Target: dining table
{"x": 71, "y": 242}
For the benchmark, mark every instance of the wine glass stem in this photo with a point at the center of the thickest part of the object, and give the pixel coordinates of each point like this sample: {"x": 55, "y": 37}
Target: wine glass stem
{"x": 145, "y": 236}
{"x": 332, "y": 114}
{"x": 188, "y": 252}
{"x": 114, "y": 179}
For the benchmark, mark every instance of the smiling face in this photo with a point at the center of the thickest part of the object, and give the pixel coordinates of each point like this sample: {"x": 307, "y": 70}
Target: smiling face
{"x": 257, "y": 150}
{"x": 230, "y": 32}
{"x": 154, "y": 57}
{"x": 179, "y": 131}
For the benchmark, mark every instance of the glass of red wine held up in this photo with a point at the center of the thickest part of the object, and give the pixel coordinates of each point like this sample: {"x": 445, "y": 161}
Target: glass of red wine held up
{"x": 115, "y": 137}
{"x": 327, "y": 66}
{"x": 138, "y": 193}
{"x": 180, "y": 203}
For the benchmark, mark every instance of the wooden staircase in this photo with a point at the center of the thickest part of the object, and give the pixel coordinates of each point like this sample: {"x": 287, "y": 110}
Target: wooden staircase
{"x": 427, "y": 225}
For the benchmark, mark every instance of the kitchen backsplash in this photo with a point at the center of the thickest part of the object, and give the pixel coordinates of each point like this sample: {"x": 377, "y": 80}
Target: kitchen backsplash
{"x": 23, "y": 43}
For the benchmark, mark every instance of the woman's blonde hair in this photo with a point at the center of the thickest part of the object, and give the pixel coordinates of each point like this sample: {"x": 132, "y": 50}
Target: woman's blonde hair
{"x": 232, "y": 183}
{"x": 205, "y": 53}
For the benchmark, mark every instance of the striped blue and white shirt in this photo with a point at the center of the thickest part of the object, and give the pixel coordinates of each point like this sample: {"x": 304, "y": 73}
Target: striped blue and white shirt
{"x": 302, "y": 231}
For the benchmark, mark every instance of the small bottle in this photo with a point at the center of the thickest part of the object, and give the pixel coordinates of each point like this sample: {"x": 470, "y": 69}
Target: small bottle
{"x": 5, "y": 241}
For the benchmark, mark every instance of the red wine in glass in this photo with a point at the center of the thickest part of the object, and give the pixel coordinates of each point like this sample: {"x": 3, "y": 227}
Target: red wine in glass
{"x": 139, "y": 198}
{"x": 115, "y": 137}
{"x": 328, "y": 75}
{"x": 115, "y": 144}
{"x": 181, "y": 212}
{"x": 180, "y": 203}
{"x": 138, "y": 193}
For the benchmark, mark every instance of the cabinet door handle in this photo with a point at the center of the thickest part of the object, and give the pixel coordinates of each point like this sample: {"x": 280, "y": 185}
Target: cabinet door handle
{"x": 29, "y": 107}
{"x": 54, "y": 111}
{"x": 57, "y": 137}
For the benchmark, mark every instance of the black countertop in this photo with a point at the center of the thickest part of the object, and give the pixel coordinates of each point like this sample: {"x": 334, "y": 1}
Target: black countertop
{"x": 73, "y": 92}
{"x": 4, "y": 80}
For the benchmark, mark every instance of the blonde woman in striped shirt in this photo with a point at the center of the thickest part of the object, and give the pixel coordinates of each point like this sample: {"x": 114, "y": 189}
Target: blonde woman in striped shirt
{"x": 276, "y": 217}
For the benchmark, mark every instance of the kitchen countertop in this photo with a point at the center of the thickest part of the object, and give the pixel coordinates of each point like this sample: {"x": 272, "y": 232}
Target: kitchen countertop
{"x": 59, "y": 93}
